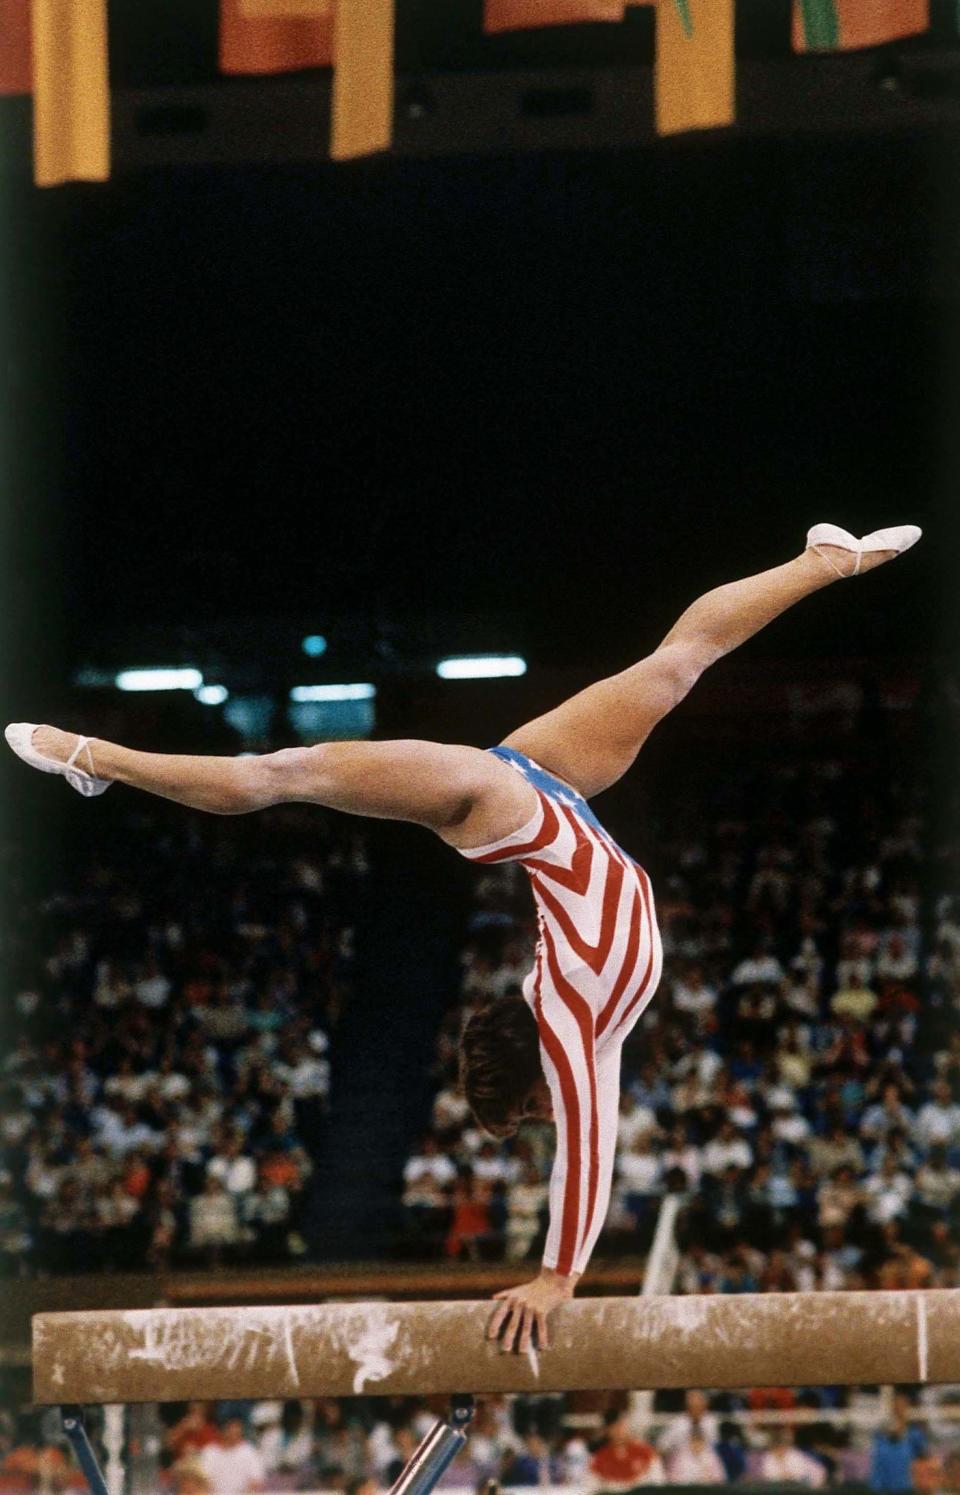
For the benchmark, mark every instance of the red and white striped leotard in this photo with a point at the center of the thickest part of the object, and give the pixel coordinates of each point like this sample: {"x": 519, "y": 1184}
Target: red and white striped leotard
{"x": 598, "y": 962}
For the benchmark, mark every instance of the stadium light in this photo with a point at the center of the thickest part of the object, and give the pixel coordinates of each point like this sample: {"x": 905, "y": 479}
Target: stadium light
{"x": 212, "y": 695}
{"x": 314, "y": 644}
{"x": 482, "y": 667}
{"x": 333, "y": 693}
{"x": 166, "y": 679}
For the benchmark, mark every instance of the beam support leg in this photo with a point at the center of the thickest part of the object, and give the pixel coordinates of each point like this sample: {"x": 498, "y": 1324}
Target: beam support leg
{"x": 75, "y": 1428}
{"x": 437, "y": 1451}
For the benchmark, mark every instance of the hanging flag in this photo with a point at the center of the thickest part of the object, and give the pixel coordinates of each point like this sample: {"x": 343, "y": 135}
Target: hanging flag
{"x": 520, "y": 15}
{"x": 839, "y": 25}
{"x": 362, "y": 119}
{"x": 275, "y": 36}
{"x": 71, "y": 91}
{"x": 16, "y": 69}
{"x": 695, "y": 69}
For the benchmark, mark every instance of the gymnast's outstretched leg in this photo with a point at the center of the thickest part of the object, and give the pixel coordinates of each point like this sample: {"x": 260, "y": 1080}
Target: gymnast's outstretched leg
{"x": 593, "y": 738}
{"x": 460, "y": 792}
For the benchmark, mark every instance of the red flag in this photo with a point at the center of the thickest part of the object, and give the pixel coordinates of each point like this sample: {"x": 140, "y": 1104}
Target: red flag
{"x": 856, "y": 23}
{"x": 16, "y": 74}
{"x": 274, "y": 36}
{"x": 519, "y": 15}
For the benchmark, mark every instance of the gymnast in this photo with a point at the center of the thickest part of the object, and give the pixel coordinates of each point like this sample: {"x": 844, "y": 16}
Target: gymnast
{"x": 554, "y": 1052}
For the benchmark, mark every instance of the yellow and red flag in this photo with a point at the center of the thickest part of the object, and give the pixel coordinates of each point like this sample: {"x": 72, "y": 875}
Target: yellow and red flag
{"x": 57, "y": 50}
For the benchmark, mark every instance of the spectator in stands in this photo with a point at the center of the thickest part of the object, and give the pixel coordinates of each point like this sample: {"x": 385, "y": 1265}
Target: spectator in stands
{"x": 696, "y": 1463}
{"x": 888, "y": 1192}
{"x": 621, "y": 1461}
{"x": 732, "y": 1452}
{"x": 428, "y": 1180}
{"x": 681, "y": 1154}
{"x": 162, "y": 1226}
{"x": 234, "y": 1465}
{"x": 727, "y": 1149}
{"x": 937, "y": 1183}
{"x": 191, "y": 1433}
{"x": 902, "y": 1265}
{"x": 894, "y": 1448}
{"x": 760, "y": 968}
{"x": 450, "y": 1108}
{"x": 838, "y": 1198}
{"x": 527, "y": 1200}
{"x": 213, "y": 1219}
{"x": 695, "y": 998}
{"x": 67, "y": 1230}
{"x": 402, "y": 1446}
{"x": 633, "y": 1121}
{"x": 938, "y": 1122}
{"x": 639, "y": 1179}
{"x": 339, "y": 1441}
{"x": 890, "y": 1114}
{"x": 533, "y": 1464}
{"x": 696, "y": 1419}
{"x": 783, "y": 1463}
{"x": 234, "y": 1167}
{"x": 15, "y": 1237}
{"x": 189, "y": 1478}
{"x": 265, "y": 1215}
{"x": 470, "y": 1223}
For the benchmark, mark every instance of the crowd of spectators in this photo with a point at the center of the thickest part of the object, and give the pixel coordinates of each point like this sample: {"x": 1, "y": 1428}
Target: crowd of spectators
{"x": 796, "y": 1080}
{"x": 795, "y": 1084}
{"x": 167, "y": 1074}
{"x": 360, "y": 1445}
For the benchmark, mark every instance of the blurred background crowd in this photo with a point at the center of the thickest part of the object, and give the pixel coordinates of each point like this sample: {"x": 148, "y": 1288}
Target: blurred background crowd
{"x": 178, "y": 1050}
{"x": 796, "y": 1080}
{"x": 169, "y": 1075}
{"x": 358, "y": 1446}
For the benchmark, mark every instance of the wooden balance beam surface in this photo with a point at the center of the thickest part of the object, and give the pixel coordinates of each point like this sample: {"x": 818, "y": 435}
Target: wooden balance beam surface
{"x": 342, "y": 1349}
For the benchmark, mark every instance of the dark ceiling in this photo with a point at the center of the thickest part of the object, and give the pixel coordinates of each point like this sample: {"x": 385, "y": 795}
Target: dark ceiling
{"x": 546, "y": 396}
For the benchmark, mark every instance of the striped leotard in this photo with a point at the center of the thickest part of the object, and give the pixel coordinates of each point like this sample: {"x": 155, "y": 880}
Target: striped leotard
{"x": 598, "y": 962}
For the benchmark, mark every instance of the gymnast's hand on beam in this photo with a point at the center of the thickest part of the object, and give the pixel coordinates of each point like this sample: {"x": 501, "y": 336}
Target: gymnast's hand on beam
{"x": 520, "y": 1322}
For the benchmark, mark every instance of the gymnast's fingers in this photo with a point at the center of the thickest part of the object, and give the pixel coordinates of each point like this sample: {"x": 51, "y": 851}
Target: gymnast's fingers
{"x": 497, "y": 1320}
{"x": 511, "y": 1326}
{"x": 526, "y": 1329}
{"x": 543, "y": 1337}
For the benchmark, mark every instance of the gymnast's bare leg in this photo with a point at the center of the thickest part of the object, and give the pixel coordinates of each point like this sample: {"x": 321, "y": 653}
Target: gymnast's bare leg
{"x": 467, "y": 796}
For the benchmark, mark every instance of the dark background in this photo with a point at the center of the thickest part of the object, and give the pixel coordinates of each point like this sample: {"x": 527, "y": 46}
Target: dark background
{"x": 533, "y": 402}
{"x": 530, "y": 401}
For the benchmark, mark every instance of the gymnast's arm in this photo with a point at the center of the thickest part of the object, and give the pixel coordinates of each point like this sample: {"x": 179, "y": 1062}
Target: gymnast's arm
{"x": 608, "y": 1113}
{"x": 592, "y": 1134}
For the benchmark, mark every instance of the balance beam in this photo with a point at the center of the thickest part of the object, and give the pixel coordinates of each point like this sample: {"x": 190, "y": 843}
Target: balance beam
{"x": 344, "y": 1349}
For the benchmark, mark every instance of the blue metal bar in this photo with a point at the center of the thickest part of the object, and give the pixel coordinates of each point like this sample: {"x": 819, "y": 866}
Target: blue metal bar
{"x": 76, "y": 1430}
{"x": 437, "y": 1451}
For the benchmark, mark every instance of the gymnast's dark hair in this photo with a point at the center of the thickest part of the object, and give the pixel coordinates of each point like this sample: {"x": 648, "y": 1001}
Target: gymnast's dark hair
{"x": 500, "y": 1063}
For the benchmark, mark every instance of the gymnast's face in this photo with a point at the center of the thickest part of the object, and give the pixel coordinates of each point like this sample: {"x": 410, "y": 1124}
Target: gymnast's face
{"x": 539, "y": 1104}
{"x": 537, "y": 1107}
